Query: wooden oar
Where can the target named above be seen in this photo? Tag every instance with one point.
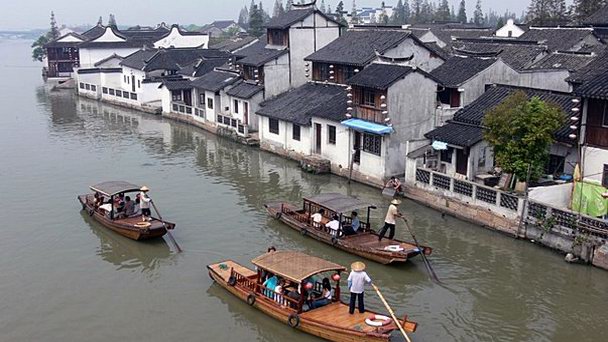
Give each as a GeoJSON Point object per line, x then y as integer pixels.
{"type": "Point", "coordinates": [426, 262]}
{"type": "Point", "coordinates": [168, 232]}
{"type": "Point", "coordinates": [391, 312]}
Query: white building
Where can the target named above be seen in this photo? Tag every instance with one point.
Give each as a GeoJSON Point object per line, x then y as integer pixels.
{"type": "Point", "coordinates": [510, 29]}
{"type": "Point", "coordinates": [179, 38]}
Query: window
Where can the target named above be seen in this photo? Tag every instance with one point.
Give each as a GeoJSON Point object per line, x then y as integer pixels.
{"type": "Point", "coordinates": [104, 90]}
{"type": "Point", "coordinates": [176, 95]}
{"type": "Point", "coordinates": [273, 126]}
{"type": "Point", "coordinates": [87, 86]}
{"type": "Point", "coordinates": [369, 97]}
{"type": "Point", "coordinates": [118, 93]}
{"type": "Point", "coordinates": [295, 132]}
{"type": "Point", "coordinates": [372, 143]}
{"type": "Point", "coordinates": [236, 106]}
{"type": "Point", "coordinates": [510, 33]}
{"type": "Point", "coordinates": [133, 96]}
{"type": "Point", "coordinates": [81, 85]}
{"type": "Point", "coordinates": [331, 134]}
{"type": "Point", "coordinates": [322, 72]}
{"type": "Point", "coordinates": [93, 88]}
{"type": "Point", "coordinates": [201, 100]}
{"type": "Point", "coordinates": [210, 103]}
{"type": "Point", "coordinates": [481, 160]}
{"type": "Point", "coordinates": [124, 78]}
{"type": "Point", "coordinates": [125, 94]}
{"type": "Point", "coordinates": [138, 84]}
{"type": "Point", "coordinates": [605, 176]}
{"type": "Point", "coordinates": [446, 155]}
{"type": "Point", "coordinates": [111, 91]}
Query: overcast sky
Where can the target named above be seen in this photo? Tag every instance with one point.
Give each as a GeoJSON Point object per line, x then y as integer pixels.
{"type": "Point", "coordinates": [26, 14]}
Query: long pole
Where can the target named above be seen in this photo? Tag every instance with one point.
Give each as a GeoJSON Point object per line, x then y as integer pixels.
{"type": "Point", "coordinates": [179, 250]}
{"type": "Point", "coordinates": [526, 194]}
{"type": "Point", "coordinates": [426, 262]}
{"type": "Point", "coordinates": [392, 313]}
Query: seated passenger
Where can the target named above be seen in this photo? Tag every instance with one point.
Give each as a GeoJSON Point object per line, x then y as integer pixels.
{"type": "Point", "coordinates": [270, 284]}
{"type": "Point", "coordinates": [324, 298]}
{"type": "Point", "coordinates": [279, 290]}
{"type": "Point", "coordinates": [317, 218]}
{"type": "Point", "coordinates": [353, 227]}
{"type": "Point", "coordinates": [129, 207]}
{"type": "Point", "coordinates": [334, 225]}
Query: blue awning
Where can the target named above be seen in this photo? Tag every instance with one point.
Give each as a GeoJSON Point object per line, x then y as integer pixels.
{"type": "Point", "coordinates": [366, 126]}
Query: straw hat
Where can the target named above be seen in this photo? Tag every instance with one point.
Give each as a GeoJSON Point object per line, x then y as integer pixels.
{"type": "Point", "coordinates": [357, 266]}
{"type": "Point", "coordinates": [396, 201]}
{"type": "Point", "coordinates": [144, 188]}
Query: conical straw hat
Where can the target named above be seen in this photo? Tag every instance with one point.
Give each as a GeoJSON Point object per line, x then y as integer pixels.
{"type": "Point", "coordinates": [357, 266]}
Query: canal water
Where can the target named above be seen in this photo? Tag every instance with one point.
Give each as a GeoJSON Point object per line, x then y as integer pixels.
{"type": "Point", "coordinates": [63, 277]}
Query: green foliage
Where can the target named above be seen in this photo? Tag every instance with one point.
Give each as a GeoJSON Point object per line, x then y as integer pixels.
{"type": "Point", "coordinates": [547, 12]}
{"type": "Point", "coordinates": [54, 31]}
{"type": "Point", "coordinates": [256, 22]}
{"type": "Point", "coordinates": [581, 9]}
{"type": "Point", "coordinates": [520, 130]}
{"type": "Point", "coordinates": [38, 50]}
{"type": "Point", "coordinates": [462, 12]}
{"type": "Point", "coordinates": [112, 20]}
{"type": "Point", "coordinates": [478, 18]}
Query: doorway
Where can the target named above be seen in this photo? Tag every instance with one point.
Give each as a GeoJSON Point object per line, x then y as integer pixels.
{"type": "Point", "coordinates": [133, 83]}
{"type": "Point", "coordinates": [357, 148]}
{"type": "Point", "coordinates": [318, 138]}
{"type": "Point", "coordinates": [462, 161]}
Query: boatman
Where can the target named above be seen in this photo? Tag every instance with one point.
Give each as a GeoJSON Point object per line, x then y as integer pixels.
{"type": "Point", "coordinates": [356, 285]}
{"type": "Point", "coordinates": [144, 203]}
{"type": "Point", "coordinates": [389, 221]}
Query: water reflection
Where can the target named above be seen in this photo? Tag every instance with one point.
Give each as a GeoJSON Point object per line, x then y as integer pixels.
{"type": "Point", "coordinates": [126, 254]}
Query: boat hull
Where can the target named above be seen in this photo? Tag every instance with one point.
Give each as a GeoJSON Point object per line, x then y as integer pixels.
{"type": "Point", "coordinates": [124, 228]}
{"type": "Point", "coordinates": [384, 257]}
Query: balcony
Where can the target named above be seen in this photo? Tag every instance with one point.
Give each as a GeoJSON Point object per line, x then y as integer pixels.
{"type": "Point", "coordinates": [368, 113]}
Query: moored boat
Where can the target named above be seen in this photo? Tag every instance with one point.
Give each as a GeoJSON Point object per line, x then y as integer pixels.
{"type": "Point", "coordinates": [365, 243]}
{"type": "Point", "coordinates": [331, 321]}
{"type": "Point", "coordinates": [134, 226]}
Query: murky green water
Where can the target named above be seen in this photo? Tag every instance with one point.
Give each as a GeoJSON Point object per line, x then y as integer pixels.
{"type": "Point", "coordinates": [65, 278]}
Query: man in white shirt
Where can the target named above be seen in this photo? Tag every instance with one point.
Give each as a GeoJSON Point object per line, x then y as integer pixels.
{"type": "Point", "coordinates": [317, 218]}
{"type": "Point", "coordinates": [144, 203]}
{"type": "Point", "coordinates": [356, 284]}
{"type": "Point", "coordinates": [389, 220]}
{"type": "Point", "coordinates": [334, 225]}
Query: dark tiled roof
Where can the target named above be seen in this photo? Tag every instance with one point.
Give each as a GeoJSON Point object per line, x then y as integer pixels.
{"type": "Point", "coordinates": [235, 43]}
{"type": "Point", "coordinates": [177, 84]}
{"type": "Point", "coordinates": [299, 105]}
{"type": "Point", "coordinates": [379, 76]}
{"type": "Point", "coordinates": [599, 18]}
{"type": "Point", "coordinates": [518, 55]}
{"type": "Point", "coordinates": [562, 38]}
{"type": "Point", "coordinates": [458, 69]}
{"type": "Point", "coordinates": [94, 32]}
{"type": "Point", "coordinates": [137, 60]}
{"type": "Point", "coordinates": [472, 115]}
{"type": "Point", "coordinates": [215, 80]}
{"type": "Point", "coordinates": [457, 133]}
{"type": "Point", "coordinates": [291, 17]}
{"type": "Point", "coordinates": [222, 24]}
{"type": "Point", "coordinates": [572, 61]}
{"type": "Point", "coordinates": [596, 87]}
{"type": "Point", "coordinates": [356, 47]}
{"type": "Point", "coordinates": [256, 56]}
{"type": "Point", "coordinates": [448, 35]}
{"type": "Point", "coordinates": [244, 90]}
{"type": "Point", "coordinates": [202, 66]}
{"type": "Point", "coordinates": [109, 58]}
{"type": "Point", "coordinates": [597, 66]}
{"type": "Point", "coordinates": [436, 49]}
{"type": "Point", "coordinates": [172, 58]}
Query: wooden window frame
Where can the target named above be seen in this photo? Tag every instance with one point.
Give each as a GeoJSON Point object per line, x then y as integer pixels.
{"type": "Point", "coordinates": [365, 100]}
{"type": "Point", "coordinates": [331, 130]}
{"type": "Point", "coordinates": [271, 123]}
{"type": "Point", "coordinates": [371, 143]}
{"type": "Point", "coordinates": [296, 131]}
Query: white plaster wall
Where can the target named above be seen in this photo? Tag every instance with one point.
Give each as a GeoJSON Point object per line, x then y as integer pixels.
{"type": "Point", "coordinates": [90, 56]}
{"type": "Point", "coordinates": [90, 79]}
{"type": "Point", "coordinates": [510, 26]}
{"type": "Point", "coordinates": [177, 40]}
{"type": "Point", "coordinates": [555, 195]}
{"type": "Point", "coordinates": [276, 76]}
{"type": "Point", "coordinates": [109, 36]}
{"type": "Point", "coordinates": [475, 152]}
{"type": "Point", "coordinates": [68, 39]}
{"type": "Point", "coordinates": [372, 165]}
{"type": "Point", "coordinates": [337, 153]}
{"type": "Point", "coordinates": [498, 72]}
{"type": "Point", "coordinates": [150, 92]}
{"type": "Point", "coordinates": [545, 79]}
{"type": "Point", "coordinates": [165, 96]}
{"type": "Point", "coordinates": [594, 160]}
{"type": "Point", "coordinates": [139, 76]}
{"type": "Point", "coordinates": [111, 80]}
{"type": "Point", "coordinates": [422, 56]}
{"type": "Point", "coordinates": [304, 145]}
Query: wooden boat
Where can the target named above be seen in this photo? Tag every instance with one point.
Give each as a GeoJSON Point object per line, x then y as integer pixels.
{"type": "Point", "coordinates": [331, 322]}
{"type": "Point", "coordinates": [364, 244]}
{"type": "Point", "coordinates": [132, 227]}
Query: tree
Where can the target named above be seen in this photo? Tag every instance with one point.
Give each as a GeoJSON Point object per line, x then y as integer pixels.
{"type": "Point", "coordinates": [581, 9]}
{"type": "Point", "coordinates": [340, 13]}
{"type": "Point", "coordinates": [416, 11]}
{"type": "Point", "coordinates": [244, 17]}
{"type": "Point", "coordinates": [100, 21]}
{"type": "Point", "coordinates": [383, 18]}
{"type": "Point", "coordinates": [443, 11]}
{"type": "Point", "coordinates": [354, 18]}
{"type": "Point", "coordinates": [38, 50]}
{"type": "Point", "coordinates": [426, 12]}
{"type": "Point", "coordinates": [322, 7]}
{"type": "Point", "coordinates": [398, 17]}
{"type": "Point", "coordinates": [547, 12]}
{"type": "Point", "coordinates": [288, 5]}
{"type": "Point", "coordinates": [256, 22]}
{"type": "Point", "coordinates": [328, 10]}
{"type": "Point", "coordinates": [462, 12]}
{"type": "Point", "coordinates": [54, 31]}
{"type": "Point", "coordinates": [520, 131]}
{"type": "Point", "coordinates": [500, 23]}
{"type": "Point", "coordinates": [478, 14]}
{"type": "Point", "coordinates": [278, 8]}
{"type": "Point", "coordinates": [112, 20]}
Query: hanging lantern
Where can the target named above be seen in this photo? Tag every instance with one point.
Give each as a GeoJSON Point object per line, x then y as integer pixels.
{"type": "Point", "coordinates": [335, 277]}
{"type": "Point", "coordinates": [574, 118]}
{"type": "Point", "coordinates": [385, 112]}
{"type": "Point", "coordinates": [349, 88]}
{"type": "Point", "coordinates": [307, 75]}
{"type": "Point", "coordinates": [349, 102]}
{"type": "Point", "coordinates": [349, 95]}
{"type": "Point", "coordinates": [383, 105]}
{"type": "Point", "coordinates": [573, 127]}
{"type": "Point", "coordinates": [331, 72]}
{"type": "Point", "coordinates": [387, 120]}
{"type": "Point", "coordinates": [350, 109]}
{"type": "Point", "coordinates": [331, 66]}
{"type": "Point", "coordinates": [306, 70]}
{"type": "Point", "coordinates": [382, 97]}
{"type": "Point", "coordinates": [356, 71]}
{"type": "Point", "coordinates": [572, 136]}
{"type": "Point", "coordinates": [576, 100]}
{"type": "Point", "coordinates": [576, 110]}
{"type": "Point", "coordinates": [348, 116]}
{"type": "Point", "coordinates": [306, 64]}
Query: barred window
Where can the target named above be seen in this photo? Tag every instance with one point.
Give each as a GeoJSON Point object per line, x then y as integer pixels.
{"type": "Point", "coordinates": [372, 143]}
{"type": "Point", "coordinates": [104, 90]}
{"type": "Point", "coordinates": [273, 125]}
{"type": "Point", "coordinates": [295, 132]}
{"type": "Point", "coordinates": [118, 93]}
{"type": "Point", "coordinates": [81, 85]}
{"type": "Point", "coordinates": [133, 96]}
{"type": "Point", "coordinates": [331, 134]}
{"type": "Point", "coordinates": [93, 87]}
{"type": "Point", "coordinates": [111, 91]}
{"type": "Point", "coordinates": [210, 103]}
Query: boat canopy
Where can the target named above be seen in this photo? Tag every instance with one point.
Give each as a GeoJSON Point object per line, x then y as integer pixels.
{"type": "Point", "coordinates": [112, 188]}
{"type": "Point", "coordinates": [337, 202]}
{"type": "Point", "coordinates": [294, 266]}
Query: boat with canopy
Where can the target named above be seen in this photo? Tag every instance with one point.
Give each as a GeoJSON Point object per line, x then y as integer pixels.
{"type": "Point", "coordinates": [365, 243]}
{"type": "Point", "coordinates": [301, 274]}
{"type": "Point", "coordinates": [135, 226]}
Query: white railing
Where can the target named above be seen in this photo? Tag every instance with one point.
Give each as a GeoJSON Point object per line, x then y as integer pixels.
{"type": "Point", "coordinates": [233, 124]}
